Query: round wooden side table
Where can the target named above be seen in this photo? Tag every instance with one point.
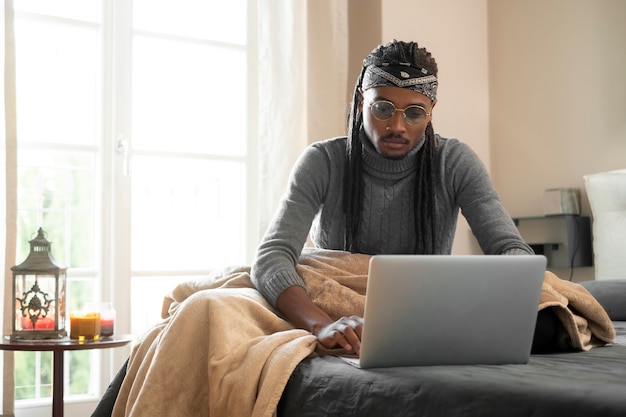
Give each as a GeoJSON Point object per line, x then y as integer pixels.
{"type": "Point", "coordinates": [58, 347]}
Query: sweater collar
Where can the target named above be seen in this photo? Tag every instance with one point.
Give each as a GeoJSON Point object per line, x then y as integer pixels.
{"type": "Point", "coordinates": [372, 160]}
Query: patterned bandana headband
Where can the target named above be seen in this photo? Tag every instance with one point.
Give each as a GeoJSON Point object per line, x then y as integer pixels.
{"type": "Point", "coordinates": [401, 75]}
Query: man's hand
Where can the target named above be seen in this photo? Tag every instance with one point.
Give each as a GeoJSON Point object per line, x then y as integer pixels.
{"type": "Point", "coordinates": [345, 332]}
{"type": "Point", "coordinates": [298, 308]}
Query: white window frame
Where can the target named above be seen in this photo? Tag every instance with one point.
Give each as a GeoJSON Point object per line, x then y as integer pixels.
{"type": "Point", "coordinates": [114, 206]}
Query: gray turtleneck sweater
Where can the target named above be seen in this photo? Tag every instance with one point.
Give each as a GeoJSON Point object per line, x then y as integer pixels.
{"type": "Point", "coordinates": [313, 204]}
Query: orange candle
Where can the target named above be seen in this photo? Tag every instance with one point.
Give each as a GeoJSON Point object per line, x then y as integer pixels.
{"type": "Point", "coordinates": [85, 326]}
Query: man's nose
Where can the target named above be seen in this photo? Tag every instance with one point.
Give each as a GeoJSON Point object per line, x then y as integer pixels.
{"type": "Point", "coordinates": [397, 123]}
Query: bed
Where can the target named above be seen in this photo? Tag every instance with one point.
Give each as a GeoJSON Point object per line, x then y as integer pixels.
{"type": "Point", "coordinates": [591, 383]}
{"type": "Point", "coordinates": [221, 350]}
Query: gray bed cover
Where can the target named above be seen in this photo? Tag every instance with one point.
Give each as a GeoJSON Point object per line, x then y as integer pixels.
{"type": "Point", "coordinates": [572, 384]}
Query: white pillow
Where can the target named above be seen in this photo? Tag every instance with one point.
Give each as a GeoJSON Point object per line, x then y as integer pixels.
{"type": "Point", "coordinates": [607, 197]}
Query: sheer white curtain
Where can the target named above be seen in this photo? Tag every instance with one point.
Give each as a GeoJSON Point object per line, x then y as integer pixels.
{"type": "Point", "coordinates": [8, 160]}
{"type": "Point", "coordinates": [302, 86]}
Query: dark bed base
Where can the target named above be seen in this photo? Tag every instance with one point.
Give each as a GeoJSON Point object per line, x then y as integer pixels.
{"type": "Point", "coordinates": [559, 384]}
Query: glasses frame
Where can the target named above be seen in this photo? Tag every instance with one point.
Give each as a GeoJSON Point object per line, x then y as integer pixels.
{"type": "Point", "coordinates": [404, 116]}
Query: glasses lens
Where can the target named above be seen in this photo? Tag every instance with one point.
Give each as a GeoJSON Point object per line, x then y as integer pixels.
{"type": "Point", "coordinates": [383, 110]}
{"type": "Point", "coordinates": [414, 114]}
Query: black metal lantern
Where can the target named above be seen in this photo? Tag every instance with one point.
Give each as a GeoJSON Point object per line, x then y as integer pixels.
{"type": "Point", "coordinates": [39, 294]}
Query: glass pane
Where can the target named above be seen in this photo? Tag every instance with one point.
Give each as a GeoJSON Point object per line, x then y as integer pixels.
{"type": "Point", "coordinates": [56, 191]}
{"type": "Point", "coordinates": [33, 375]}
{"type": "Point", "coordinates": [57, 69]}
{"type": "Point", "coordinates": [27, 226]}
{"type": "Point", "coordinates": [88, 10]}
{"type": "Point", "coordinates": [79, 291]}
{"type": "Point", "coordinates": [187, 214]}
{"type": "Point", "coordinates": [189, 97]}
{"type": "Point", "coordinates": [205, 19]}
{"type": "Point", "coordinates": [80, 372]}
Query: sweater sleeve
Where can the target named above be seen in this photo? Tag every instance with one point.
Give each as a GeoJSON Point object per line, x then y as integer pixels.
{"type": "Point", "coordinates": [273, 270]}
{"type": "Point", "coordinates": [480, 203]}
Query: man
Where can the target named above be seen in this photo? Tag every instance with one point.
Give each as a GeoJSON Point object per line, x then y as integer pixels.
{"type": "Point", "coordinates": [391, 186]}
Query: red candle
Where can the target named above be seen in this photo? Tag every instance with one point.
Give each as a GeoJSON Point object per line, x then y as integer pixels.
{"type": "Point", "coordinates": [107, 317]}
{"type": "Point", "coordinates": [107, 326]}
{"type": "Point", "coordinates": [43, 323]}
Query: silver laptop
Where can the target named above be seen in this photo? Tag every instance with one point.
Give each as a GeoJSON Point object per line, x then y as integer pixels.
{"type": "Point", "coordinates": [450, 309]}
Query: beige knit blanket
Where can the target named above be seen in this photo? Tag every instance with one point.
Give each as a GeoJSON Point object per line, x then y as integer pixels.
{"type": "Point", "coordinates": [221, 350]}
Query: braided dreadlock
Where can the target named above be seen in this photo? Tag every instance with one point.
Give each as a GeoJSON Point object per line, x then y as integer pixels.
{"type": "Point", "coordinates": [394, 52]}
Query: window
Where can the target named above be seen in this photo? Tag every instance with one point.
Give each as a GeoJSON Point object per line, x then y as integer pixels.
{"type": "Point", "coordinates": [133, 155]}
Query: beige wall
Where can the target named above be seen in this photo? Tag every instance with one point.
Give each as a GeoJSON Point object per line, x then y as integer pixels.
{"type": "Point", "coordinates": [557, 97]}
{"type": "Point", "coordinates": [455, 32]}
{"type": "Point", "coordinates": [365, 32]}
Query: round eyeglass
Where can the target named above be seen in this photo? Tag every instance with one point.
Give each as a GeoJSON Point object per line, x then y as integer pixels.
{"type": "Point", "coordinates": [384, 110]}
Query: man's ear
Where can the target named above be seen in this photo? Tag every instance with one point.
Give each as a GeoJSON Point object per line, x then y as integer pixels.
{"type": "Point", "coordinates": [431, 110]}
{"type": "Point", "coordinates": [361, 99]}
